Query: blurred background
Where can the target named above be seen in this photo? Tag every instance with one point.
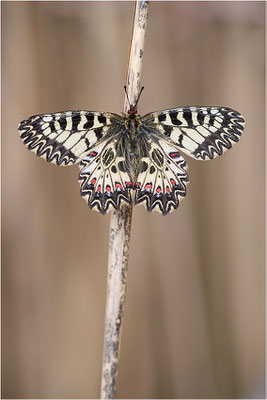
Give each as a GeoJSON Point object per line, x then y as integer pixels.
{"type": "Point", "coordinates": [194, 315]}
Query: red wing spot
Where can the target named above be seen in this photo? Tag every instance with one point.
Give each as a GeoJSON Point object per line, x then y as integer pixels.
{"type": "Point", "coordinates": [148, 186]}
{"type": "Point", "coordinates": [93, 181]}
{"type": "Point", "coordinates": [158, 190]}
{"type": "Point", "coordinates": [168, 189]}
{"type": "Point", "coordinates": [108, 188]}
{"type": "Point", "coordinates": [92, 154]}
{"type": "Point", "coordinates": [98, 188]}
{"type": "Point", "coordinates": [138, 184]}
{"type": "Point", "coordinates": [173, 182]}
{"type": "Point", "coordinates": [128, 184]}
{"type": "Point", "coordinates": [172, 155]}
{"type": "Point", "coordinates": [118, 185]}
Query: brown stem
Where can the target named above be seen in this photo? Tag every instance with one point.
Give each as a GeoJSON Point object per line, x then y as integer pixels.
{"type": "Point", "coordinates": [120, 224]}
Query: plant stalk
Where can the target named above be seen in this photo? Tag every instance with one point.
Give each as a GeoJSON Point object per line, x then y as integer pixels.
{"type": "Point", "coordinates": [120, 224]}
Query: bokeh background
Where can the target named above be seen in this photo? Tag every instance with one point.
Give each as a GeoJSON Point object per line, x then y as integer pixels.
{"type": "Point", "coordinates": [194, 315]}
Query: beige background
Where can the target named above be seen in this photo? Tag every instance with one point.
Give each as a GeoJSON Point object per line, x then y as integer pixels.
{"type": "Point", "coordinates": [194, 318]}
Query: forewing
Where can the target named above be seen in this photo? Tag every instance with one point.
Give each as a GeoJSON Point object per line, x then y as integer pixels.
{"type": "Point", "coordinates": [103, 178]}
{"type": "Point", "coordinates": [200, 132]}
{"type": "Point", "coordinates": [162, 178]}
{"type": "Point", "coordinates": [64, 138]}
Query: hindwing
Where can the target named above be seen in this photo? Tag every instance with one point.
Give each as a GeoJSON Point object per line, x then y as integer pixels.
{"type": "Point", "coordinates": [200, 132]}
{"type": "Point", "coordinates": [162, 177]}
{"type": "Point", "coordinates": [104, 179]}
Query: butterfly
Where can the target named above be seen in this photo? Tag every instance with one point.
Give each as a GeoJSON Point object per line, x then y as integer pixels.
{"type": "Point", "coordinates": [132, 158]}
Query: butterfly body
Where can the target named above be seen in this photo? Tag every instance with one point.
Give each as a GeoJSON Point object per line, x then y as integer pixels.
{"type": "Point", "coordinates": [132, 157]}
{"type": "Point", "coordinates": [132, 144]}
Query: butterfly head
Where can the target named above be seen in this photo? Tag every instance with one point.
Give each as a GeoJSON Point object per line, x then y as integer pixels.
{"type": "Point", "coordinates": [132, 110]}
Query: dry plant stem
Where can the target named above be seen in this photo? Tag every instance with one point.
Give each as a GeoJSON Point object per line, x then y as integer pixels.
{"type": "Point", "coordinates": [120, 225]}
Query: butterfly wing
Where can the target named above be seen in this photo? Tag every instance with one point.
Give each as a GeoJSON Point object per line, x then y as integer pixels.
{"type": "Point", "coordinates": [64, 138]}
{"type": "Point", "coordinates": [162, 177]}
{"type": "Point", "coordinates": [104, 178]}
{"type": "Point", "coordinates": [200, 132]}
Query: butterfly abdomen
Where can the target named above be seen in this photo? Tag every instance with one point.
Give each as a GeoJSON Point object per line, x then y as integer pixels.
{"type": "Point", "coordinates": [129, 145]}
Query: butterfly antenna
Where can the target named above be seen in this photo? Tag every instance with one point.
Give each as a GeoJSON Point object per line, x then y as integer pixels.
{"type": "Point", "coordinates": [142, 88]}
{"type": "Point", "coordinates": [127, 95]}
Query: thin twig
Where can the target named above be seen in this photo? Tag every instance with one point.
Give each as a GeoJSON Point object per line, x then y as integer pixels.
{"type": "Point", "coordinates": [121, 221]}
